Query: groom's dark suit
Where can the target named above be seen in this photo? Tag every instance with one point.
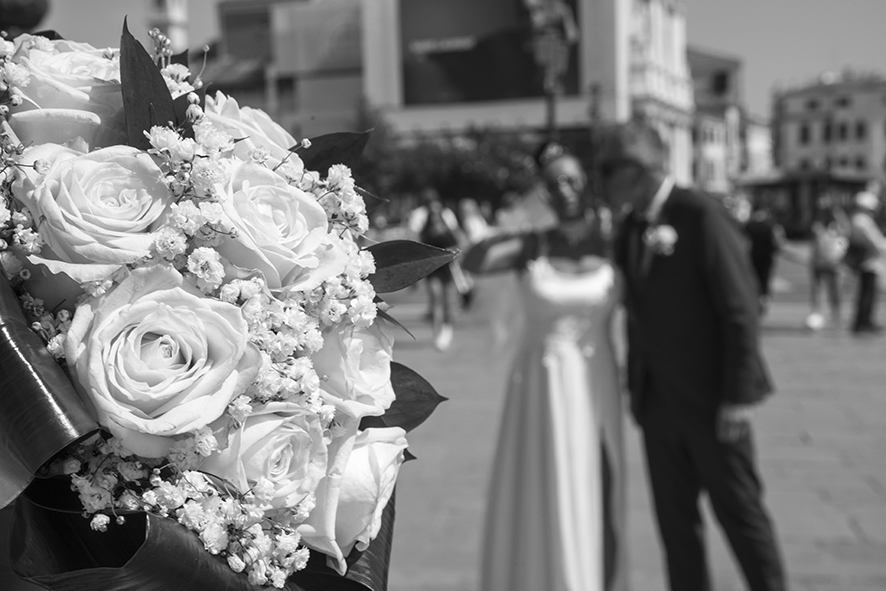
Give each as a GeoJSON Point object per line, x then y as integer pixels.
{"type": "Point", "coordinates": [692, 347]}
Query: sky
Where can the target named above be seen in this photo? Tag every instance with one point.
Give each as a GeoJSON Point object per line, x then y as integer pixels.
{"type": "Point", "coordinates": [781, 42]}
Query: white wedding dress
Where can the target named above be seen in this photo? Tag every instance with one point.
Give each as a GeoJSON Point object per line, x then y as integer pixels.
{"type": "Point", "coordinates": [555, 510]}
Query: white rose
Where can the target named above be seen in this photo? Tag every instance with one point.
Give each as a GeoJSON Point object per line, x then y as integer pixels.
{"type": "Point", "coordinates": [71, 88]}
{"type": "Point", "coordinates": [281, 442]}
{"type": "Point", "coordinates": [97, 211]}
{"type": "Point", "coordinates": [355, 369]}
{"type": "Point", "coordinates": [156, 361]}
{"type": "Point", "coordinates": [281, 230]}
{"type": "Point", "coordinates": [367, 486]}
{"type": "Point", "coordinates": [252, 127]}
{"type": "Point", "coordinates": [350, 500]}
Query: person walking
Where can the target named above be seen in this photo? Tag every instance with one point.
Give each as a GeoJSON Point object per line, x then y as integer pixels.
{"type": "Point", "coordinates": [695, 370]}
{"type": "Point", "coordinates": [476, 229]}
{"type": "Point", "coordinates": [828, 246]}
{"type": "Point", "coordinates": [866, 246]}
{"type": "Point", "coordinates": [437, 225]}
{"type": "Point", "coordinates": [767, 239]}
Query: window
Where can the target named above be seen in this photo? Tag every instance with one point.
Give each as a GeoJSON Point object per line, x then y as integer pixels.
{"type": "Point", "coordinates": [844, 101]}
{"type": "Point", "coordinates": [804, 134]}
{"type": "Point", "coordinates": [812, 104]}
{"type": "Point", "coordinates": [828, 163]}
{"type": "Point", "coordinates": [844, 162]}
{"type": "Point", "coordinates": [861, 130]}
{"type": "Point", "coordinates": [828, 132]}
{"type": "Point", "coordinates": [804, 164]}
{"type": "Point", "coordinates": [844, 131]}
{"type": "Point", "coordinates": [720, 83]}
{"type": "Point", "coordinates": [861, 163]}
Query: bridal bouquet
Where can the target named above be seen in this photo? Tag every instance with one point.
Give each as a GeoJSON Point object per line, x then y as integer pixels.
{"type": "Point", "coordinates": [193, 274]}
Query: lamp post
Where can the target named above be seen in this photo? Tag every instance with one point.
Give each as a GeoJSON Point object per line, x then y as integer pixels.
{"type": "Point", "coordinates": [554, 30]}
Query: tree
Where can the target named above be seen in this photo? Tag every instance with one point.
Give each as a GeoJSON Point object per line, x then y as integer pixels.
{"type": "Point", "coordinates": [19, 16]}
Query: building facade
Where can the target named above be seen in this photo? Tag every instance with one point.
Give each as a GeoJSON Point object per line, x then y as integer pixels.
{"type": "Point", "coordinates": [836, 124]}
{"type": "Point", "coordinates": [728, 143]}
{"type": "Point", "coordinates": [427, 66]}
{"type": "Point", "coordinates": [660, 81]}
{"type": "Point", "coordinates": [443, 66]}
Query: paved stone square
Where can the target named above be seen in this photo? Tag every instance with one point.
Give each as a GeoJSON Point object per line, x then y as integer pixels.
{"type": "Point", "coordinates": [821, 443]}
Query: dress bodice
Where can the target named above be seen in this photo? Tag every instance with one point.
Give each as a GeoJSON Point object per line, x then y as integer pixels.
{"type": "Point", "coordinates": [568, 305]}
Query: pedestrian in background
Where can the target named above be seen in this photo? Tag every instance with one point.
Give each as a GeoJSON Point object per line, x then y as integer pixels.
{"type": "Point", "coordinates": [767, 239]}
{"type": "Point", "coordinates": [476, 229]}
{"type": "Point", "coordinates": [830, 232]}
{"type": "Point", "coordinates": [866, 245]}
{"type": "Point", "coordinates": [437, 225]}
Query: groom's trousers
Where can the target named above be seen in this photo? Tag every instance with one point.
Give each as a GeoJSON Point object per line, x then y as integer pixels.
{"type": "Point", "coordinates": [684, 458]}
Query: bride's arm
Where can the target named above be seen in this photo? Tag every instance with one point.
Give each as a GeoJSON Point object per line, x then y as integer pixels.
{"type": "Point", "coordinates": [501, 252]}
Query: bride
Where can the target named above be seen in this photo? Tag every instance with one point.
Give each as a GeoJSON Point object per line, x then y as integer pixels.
{"type": "Point", "coordinates": [555, 513]}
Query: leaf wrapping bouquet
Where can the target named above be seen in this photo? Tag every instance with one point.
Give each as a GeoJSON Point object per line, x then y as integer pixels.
{"type": "Point", "coordinates": [193, 337]}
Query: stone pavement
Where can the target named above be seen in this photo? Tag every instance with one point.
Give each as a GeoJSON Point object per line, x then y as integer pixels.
{"type": "Point", "coordinates": [821, 443]}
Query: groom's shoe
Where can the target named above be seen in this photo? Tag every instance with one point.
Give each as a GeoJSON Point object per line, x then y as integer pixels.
{"type": "Point", "coordinates": [868, 329]}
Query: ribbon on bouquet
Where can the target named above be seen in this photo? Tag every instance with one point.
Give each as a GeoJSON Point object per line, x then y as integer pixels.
{"type": "Point", "coordinates": [40, 411]}
{"type": "Point", "coordinates": [54, 547]}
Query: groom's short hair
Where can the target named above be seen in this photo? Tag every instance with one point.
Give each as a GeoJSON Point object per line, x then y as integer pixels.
{"type": "Point", "coordinates": [635, 140]}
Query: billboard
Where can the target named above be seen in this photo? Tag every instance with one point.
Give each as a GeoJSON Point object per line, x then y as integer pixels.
{"type": "Point", "coordinates": [463, 51]}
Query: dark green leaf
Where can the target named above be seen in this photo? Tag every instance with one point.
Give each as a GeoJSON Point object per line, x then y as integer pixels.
{"type": "Point", "coordinates": [394, 321]}
{"type": "Point", "coordinates": [334, 148]}
{"type": "Point", "coordinates": [111, 132]}
{"type": "Point", "coordinates": [146, 98]}
{"type": "Point", "coordinates": [370, 199]}
{"type": "Point", "coordinates": [415, 402]}
{"type": "Point", "coordinates": [50, 34]}
{"type": "Point", "coordinates": [180, 58]}
{"type": "Point", "coordinates": [400, 263]}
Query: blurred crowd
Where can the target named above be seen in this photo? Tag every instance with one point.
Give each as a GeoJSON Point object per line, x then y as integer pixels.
{"type": "Point", "coordinates": [845, 249]}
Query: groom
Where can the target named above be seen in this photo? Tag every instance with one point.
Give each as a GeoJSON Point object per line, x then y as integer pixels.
{"type": "Point", "coordinates": [694, 367]}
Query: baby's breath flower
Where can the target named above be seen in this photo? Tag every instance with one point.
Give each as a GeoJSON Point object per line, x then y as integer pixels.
{"type": "Point", "coordinates": [100, 522]}
{"type": "Point", "coordinates": [170, 242]}
{"type": "Point", "coordinates": [205, 263]}
{"type": "Point", "coordinates": [163, 139]}
{"type": "Point", "coordinates": [56, 346]}
{"type": "Point", "coordinates": [214, 537]}
{"type": "Point", "coordinates": [27, 239]}
{"type": "Point", "coordinates": [71, 466]}
{"type": "Point", "coordinates": [240, 408]}
{"type": "Point", "coordinates": [187, 216]}
{"type": "Point", "coordinates": [236, 563]}
{"type": "Point", "coordinates": [205, 441]}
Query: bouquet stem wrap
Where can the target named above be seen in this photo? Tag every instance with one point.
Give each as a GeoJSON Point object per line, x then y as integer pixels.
{"type": "Point", "coordinates": [40, 411]}
{"type": "Point", "coordinates": [57, 549]}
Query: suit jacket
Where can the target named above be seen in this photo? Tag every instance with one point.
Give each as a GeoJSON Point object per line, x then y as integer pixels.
{"type": "Point", "coordinates": [692, 313]}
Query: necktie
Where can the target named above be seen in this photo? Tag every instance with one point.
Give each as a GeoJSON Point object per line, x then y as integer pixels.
{"type": "Point", "coordinates": [637, 245]}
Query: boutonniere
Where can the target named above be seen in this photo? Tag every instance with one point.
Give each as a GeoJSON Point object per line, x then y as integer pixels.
{"type": "Point", "coordinates": [660, 239]}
